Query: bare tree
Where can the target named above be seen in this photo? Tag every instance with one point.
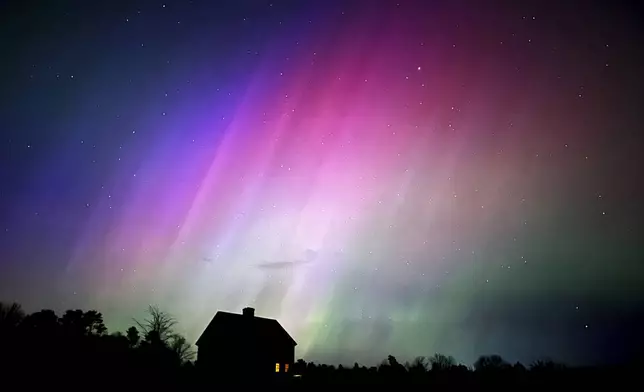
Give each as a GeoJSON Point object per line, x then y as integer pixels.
{"type": "Point", "coordinates": [181, 348]}
{"type": "Point", "coordinates": [419, 365]}
{"type": "Point", "coordinates": [441, 362]}
{"type": "Point", "coordinates": [158, 326]}
{"type": "Point", "coordinates": [546, 364]}
{"type": "Point", "coordinates": [10, 315]}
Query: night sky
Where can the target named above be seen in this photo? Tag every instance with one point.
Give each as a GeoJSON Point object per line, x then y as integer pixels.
{"type": "Point", "coordinates": [383, 177]}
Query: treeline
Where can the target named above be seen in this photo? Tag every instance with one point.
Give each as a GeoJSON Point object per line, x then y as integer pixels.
{"type": "Point", "coordinates": [440, 370]}
{"type": "Point", "coordinates": [43, 346]}
{"type": "Point", "coordinates": [44, 349]}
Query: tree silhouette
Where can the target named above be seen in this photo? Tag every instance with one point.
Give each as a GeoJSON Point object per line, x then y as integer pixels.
{"type": "Point", "coordinates": [441, 362]}
{"type": "Point", "coordinates": [182, 349]}
{"type": "Point", "coordinates": [93, 322]}
{"type": "Point", "coordinates": [161, 344]}
{"type": "Point", "coordinates": [393, 366]}
{"type": "Point", "coordinates": [79, 323]}
{"type": "Point", "coordinates": [72, 323]}
{"type": "Point", "coordinates": [417, 366]}
{"type": "Point", "coordinates": [43, 323]}
{"type": "Point", "coordinates": [133, 337]}
{"type": "Point", "coordinates": [546, 365]}
{"type": "Point", "coordinates": [299, 367]}
{"type": "Point", "coordinates": [158, 326]}
{"type": "Point", "coordinates": [11, 315]}
{"type": "Point", "coordinates": [519, 367]}
{"type": "Point", "coordinates": [490, 362]}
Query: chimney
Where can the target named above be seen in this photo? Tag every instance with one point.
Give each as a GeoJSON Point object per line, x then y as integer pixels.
{"type": "Point", "coordinates": [248, 312]}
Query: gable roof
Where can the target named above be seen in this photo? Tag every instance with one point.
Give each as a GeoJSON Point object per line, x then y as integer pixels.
{"type": "Point", "coordinates": [235, 325]}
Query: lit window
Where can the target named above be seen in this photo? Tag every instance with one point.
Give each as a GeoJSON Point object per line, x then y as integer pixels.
{"type": "Point", "coordinates": [277, 368]}
{"type": "Point", "coordinates": [286, 368]}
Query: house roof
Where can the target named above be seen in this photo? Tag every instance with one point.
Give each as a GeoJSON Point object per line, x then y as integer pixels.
{"type": "Point", "coordinates": [234, 325]}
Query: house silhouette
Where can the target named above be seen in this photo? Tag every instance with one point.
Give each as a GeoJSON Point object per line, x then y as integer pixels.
{"type": "Point", "coordinates": [243, 345]}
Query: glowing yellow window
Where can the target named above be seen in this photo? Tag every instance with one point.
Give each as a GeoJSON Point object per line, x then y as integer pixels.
{"type": "Point", "coordinates": [286, 368]}
{"type": "Point", "coordinates": [277, 368]}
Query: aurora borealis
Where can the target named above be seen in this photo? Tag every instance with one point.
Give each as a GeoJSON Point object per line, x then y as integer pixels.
{"type": "Point", "coordinates": [385, 177]}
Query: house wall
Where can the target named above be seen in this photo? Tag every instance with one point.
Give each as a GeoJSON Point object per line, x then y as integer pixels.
{"type": "Point", "coordinates": [237, 359]}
